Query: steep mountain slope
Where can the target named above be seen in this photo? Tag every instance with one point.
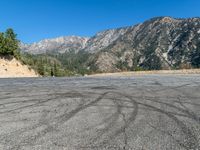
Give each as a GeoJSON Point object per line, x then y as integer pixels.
{"type": "Point", "coordinates": [60, 45]}
{"type": "Point", "coordinates": [103, 39]}
{"type": "Point", "coordinates": [159, 43]}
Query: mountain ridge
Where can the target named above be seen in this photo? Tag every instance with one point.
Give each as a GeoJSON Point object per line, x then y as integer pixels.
{"type": "Point", "coordinates": [61, 44]}
{"type": "Point", "coordinates": [158, 43]}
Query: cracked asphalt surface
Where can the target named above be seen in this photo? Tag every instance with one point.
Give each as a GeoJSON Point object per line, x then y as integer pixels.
{"type": "Point", "coordinates": [126, 113]}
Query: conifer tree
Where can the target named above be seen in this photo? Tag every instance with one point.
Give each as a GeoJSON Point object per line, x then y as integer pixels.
{"type": "Point", "coordinates": [9, 45]}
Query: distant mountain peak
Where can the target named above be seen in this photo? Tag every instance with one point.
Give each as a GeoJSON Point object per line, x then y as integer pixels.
{"type": "Point", "coordinates": [158, 43]}
{"type": "Point", "coordinates": [59, 44]}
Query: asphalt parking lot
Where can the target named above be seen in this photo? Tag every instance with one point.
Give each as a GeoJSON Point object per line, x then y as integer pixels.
{"type": "Point", "coordinates": [141, 113]}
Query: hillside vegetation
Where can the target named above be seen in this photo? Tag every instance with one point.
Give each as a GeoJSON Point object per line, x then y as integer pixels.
{"type": "Point", "coordinates": [55, 64]}
{"type": "Point", "coordinates": [10, 58]}
{"type": "Point", "coordinates": [161, 43]}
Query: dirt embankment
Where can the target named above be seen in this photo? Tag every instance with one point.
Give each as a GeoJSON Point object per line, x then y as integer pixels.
{"type": "Point", "coordinates": [160, 72]}
{"type": "Point", "coordinates": [11, 68]}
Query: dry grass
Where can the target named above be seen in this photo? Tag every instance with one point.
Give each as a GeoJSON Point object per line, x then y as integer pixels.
{"type": "Point", "coordinates": [159, 72]}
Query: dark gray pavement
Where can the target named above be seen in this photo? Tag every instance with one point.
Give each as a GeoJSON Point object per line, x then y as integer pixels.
{"type": "Point", "coordinates": [138, 113]}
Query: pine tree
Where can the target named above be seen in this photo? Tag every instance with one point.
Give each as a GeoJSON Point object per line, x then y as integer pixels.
{"type": "Point", "coordinates": [9, 45]}
{"type": "Point", "coordinates": [2, 43]}
{"type": "Point", "coordinates": [52, 72]}
{"type": "Point", "coordinates": [56, 71]}
{"type": "Point", "coordinates": [195, 57]}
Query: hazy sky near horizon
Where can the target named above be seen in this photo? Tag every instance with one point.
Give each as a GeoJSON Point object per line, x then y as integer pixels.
{"type": "Point", "coordinates": [34, 20]}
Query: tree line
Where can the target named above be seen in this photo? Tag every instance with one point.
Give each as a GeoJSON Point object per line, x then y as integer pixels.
{"type": "Point", "coordinates": [46, 65]}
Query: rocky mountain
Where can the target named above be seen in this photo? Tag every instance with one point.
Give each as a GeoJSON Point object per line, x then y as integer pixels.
{"type": "Point", "coordinates": [158, 43]}
{"type": "Point", "coordinates": [64, 44]}
{"type": "Point", "coordinates": [103, 39]}
{"type": "Point", "coordinates": [58, 45]}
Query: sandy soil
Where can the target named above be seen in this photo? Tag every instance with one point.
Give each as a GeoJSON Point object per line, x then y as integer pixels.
{"type": "Point", "coordinates": [14, 68]}
{"type": "Point", "coordinates": [160, 72]}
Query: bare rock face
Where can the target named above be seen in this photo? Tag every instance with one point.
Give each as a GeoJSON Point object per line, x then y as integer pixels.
{"type": "Point", "coordinates": [106, 62]}
{"type": "Point", "coordinates": [103, 39]}
{"type": "Point", "coordinates": [158, 43]}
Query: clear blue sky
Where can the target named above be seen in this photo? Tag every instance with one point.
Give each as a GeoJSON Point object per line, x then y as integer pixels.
{"type": "Point", "coordinates": [34, 20]}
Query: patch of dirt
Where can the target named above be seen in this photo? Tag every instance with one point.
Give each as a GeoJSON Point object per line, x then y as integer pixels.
{"type": "Point", "coordinates": [10, 68]}
{"type": "Point", "coordinates": [159, 72]}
